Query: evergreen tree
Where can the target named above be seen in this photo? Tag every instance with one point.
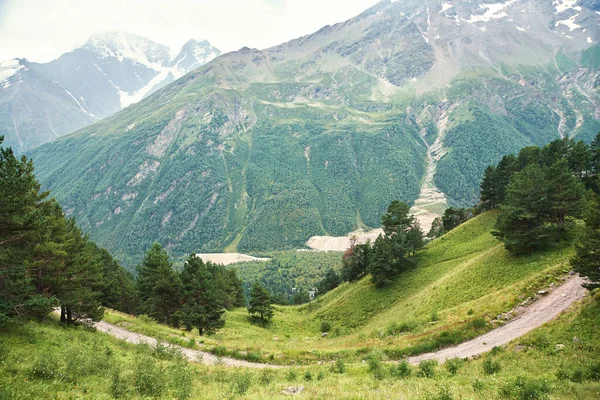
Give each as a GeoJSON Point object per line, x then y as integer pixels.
{"type": "Point", "coordinates": [355, 262]}
{"type": "Point", "coordinates": [595, 156]}
{"type": "Point", "coordinates": [488, 193]}
{"type": "Point", "coordinates": [384, 260]}
{"type": "Point", "coordinates": [529, 155]}
{"type": "Point", "coordinates": [578, 159]}
{"type": "Point", "coordinates": [587, 251]}
{"type": "Point", "coordinates": [521, 220]}
{"type": "Point", "coordinates": [437, 228]}
{"type": "Point", "coordinates": [453, 217]}
{"type": "Point", "coordinates": [158, 285]}
{"type": "Point", "coordinates": [565, 193]}
{"type": "Point", "coordinates": [202, 299]}
{"type": "Point", "coordinates": [260, 302]}
{"type": "Point", "coordinates": [329, 282]}
{"type": "Point", "coordinates": [506, 168]}
{"type": "Point", "coordinates": [301, 296]}
{"type": "Point", "coordinates": [396, 218]}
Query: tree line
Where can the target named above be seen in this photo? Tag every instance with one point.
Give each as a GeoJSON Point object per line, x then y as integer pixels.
{"type": "Point", "coordinates": [387, 256]}
{"type": "Point", "coordinates": [46, 262]}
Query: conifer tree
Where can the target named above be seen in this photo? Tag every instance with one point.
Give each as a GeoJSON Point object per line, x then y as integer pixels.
{"type": "Point", "coordinates": [587, 251]}
{"type": "Point", "coordinates": [202, 298]}
{"type": "Point", "coordinates": [260, 302]}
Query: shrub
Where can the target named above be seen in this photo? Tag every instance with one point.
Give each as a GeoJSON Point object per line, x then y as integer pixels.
{"type": "Point", "coordinates": [470, 312]}
{"type": "Point", "coordinates": [219, 351]}
{"type": "Point", "coordinates": [165, 352]}
{"type": "Point", "coordinates": [443, 394]}
{"type": "Point", "coordinates": [339, 367]}
{"type": "Point", "coordinates": [435, 317]}
{"type": "Point", "coordinates": [376, 365]}
{"type": "Point", "coordinates": [320, 376]}
{"type": "Point", "coordinates": [522, 388]}
{"type": "Point", "coordinates": [397, 328]}
{"type": "Point", "coordinates": [478, 385]}
{"type": "Point", "coordinates": [308, 376]}
{"type": "Point", "coordinates": [266, 377]}
{"type": "Point", "coordinates": [148, 377]}
{"type": "Point", "coordinates": [496, 350]}
{"type": "Point", "coordinates": [490, 366]}
{"type": "Point", "coordinates": [292, 375]}
{"type": "Point", "coordinates": [325, 326]}
{"type": "Point", "coordinates": [401, 370]}
{"type": "Point", "coordinates": [254, 356]}
{"type": "Point", "coordinates": [427, 368]}
{"type": "Point", "coordinates": [453, 365]}
{"type": "Point", "coordinates": [478, 323]}
{"type": "Point", "coordinates": [241, 382]}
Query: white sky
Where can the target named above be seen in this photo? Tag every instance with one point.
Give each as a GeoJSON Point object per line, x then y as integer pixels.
{"type": "Point", "coordinates": [41, 30]}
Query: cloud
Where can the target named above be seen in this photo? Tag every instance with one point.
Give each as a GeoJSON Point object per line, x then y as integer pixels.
{"type": "Point", "coordinates": [42, 30]}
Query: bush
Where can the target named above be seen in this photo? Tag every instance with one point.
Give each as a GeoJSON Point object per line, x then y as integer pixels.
{"type": "Point", "coordinates": [219, 351]}
{"type": "Point", "coordinates": [427, 368]}
{"type": "Point", "coordinates": [375, 364]}
{"type": "Point", "coordinates": [435, 317]}
{"type": "Point", "coordinates": [401, 370]}
{"type": "Point", "coordinates": [325, 326]}
{"type": "Point", "coordinates": [478, 323]}
{"type": "Point", "coordinates": [320, 376]}
{"type": "Point", "coordinates": [165, 352]}
{"type": "Point", "coordinates": [453, 365]}
{"type": "Point", "coordinates": [241, 383]}
{"type": "Point", "coordinates": [522, 388]}
{"type": "Point", "coordinates": [292, 375]}
{"type": "Point", "coordinates": [397, 328]}
{"type": "Point", "coordinates": [478, 385]}
{"type": "Point", "coordinates": [443, 394]}
{"type": "Point", "coordinates": [339, 367]}
{"type": "Point", "coordinates": [266, 377]}
{"type": "Point", "coordinates": [490, 366]}
{"type": "Point", "coordinates": [308, 376]}
{"type": "Point", "coordinates": [254, 356]}
{"type": "Point", "coordinates": [148, 377]}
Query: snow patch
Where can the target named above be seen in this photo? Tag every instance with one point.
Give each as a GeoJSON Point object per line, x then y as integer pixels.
{"type": "Point", "coordinates": [589, 40]}
{"type": "Point", "coordinates": [522, 29]}
{"type": "Point", "coordinates": [9, 68]}
{"type": "Point", "coordinates": [570, 23]}
{"type": "Point", "coordinates": [446, 7]}
{"type": "Point", "coordinates": [426, 40]}
{"type": "Point", "coordinates": [493, 11]}
{"type": "Point", "coordinates": [564, 5]}
{"type": "Point", "coordinates": [76, 101]}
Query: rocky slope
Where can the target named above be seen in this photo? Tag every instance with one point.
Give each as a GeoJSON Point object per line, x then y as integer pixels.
{"type": "Point", "coordinates": [263, 149]}
{"type": "Point", "coordinates": [109, 72]}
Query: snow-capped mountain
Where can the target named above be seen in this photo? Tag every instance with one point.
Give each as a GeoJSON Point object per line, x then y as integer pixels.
{"type": "Point", "coordinates": [110, 71]}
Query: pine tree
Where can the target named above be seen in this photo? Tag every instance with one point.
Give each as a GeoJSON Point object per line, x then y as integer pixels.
{"type": "Point", "coordinates": [260, 302]}
{"type": "Point", "coordinates": [595, 156]}
{"type": "Point", "coordinates": [396, 218]}
{"type": "Point", "coordinates": [384, 261]}
{"type": "Point", "coordinates": [579, 159]}
{"type": "Point", "coordinates": [355, 262]}
{"type": "Point", "coordinates": [202, 299]}
{"type": "Point", "coordinates": [565, 193]}
{"type": "Point", "coordinates": [587, 251]}
{"type": "Point", "coordinates": [488, 189]}
{"type": "Point", "coordinates": [520, 224]}
{"type": "Point", "coordinates": [329, 282]}
{"type": "Point", "coordinates": [158, 285]}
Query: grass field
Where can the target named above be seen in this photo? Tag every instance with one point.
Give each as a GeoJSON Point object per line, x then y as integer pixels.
{"type": "Point", "coordinates": [49, 361]}
{"type": "Point", "coordinates": [461, 283]}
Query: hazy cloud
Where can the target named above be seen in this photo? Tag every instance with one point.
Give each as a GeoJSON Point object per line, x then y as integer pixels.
{"type": "Point", "coordinates": [44, 29]}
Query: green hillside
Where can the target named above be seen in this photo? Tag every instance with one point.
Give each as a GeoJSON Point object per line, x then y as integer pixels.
{"type": "Point", "coordinates": [260, 150]}
{"type": "Point", "coordinates": [463, 281]}
{"type": "Point", "coordinates": [465, 276]}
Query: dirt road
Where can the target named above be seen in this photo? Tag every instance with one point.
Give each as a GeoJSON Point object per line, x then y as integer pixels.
{"type": "Point", "coordinates": [192, 355]}
{"type": "Point", "coordinates": [533, 316]}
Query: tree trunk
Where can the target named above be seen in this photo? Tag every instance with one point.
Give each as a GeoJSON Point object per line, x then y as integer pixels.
{"type": "Point", "coordinates": [200, 331]}
{"type": "Point", "coordinates": [69, 316]}
{"type": "Point", "coordinates": [63, 315]}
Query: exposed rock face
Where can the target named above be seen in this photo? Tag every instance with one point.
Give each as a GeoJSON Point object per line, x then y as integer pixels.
{"type": "Point", "coordinates": [260, 150]}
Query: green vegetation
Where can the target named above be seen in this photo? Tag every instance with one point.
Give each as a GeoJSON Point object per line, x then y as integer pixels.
{"type": "Point", "coordinates": [260, 302]}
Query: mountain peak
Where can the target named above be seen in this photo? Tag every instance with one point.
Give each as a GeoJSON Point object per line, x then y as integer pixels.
{"type": "Point", "coordinates": [127, 45]}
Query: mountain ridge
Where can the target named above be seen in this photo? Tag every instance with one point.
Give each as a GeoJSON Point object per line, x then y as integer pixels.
{"type": "Point", "coordinates": [262, 149]}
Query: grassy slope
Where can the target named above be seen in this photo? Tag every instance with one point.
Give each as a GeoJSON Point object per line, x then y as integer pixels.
{"type": "Point", "coordinates": [462, 278]}
{"type": "Point", "coordinates": [83, 364]}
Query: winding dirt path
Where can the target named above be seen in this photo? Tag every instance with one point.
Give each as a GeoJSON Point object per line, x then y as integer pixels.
{"type": "Point", "coordinates": [192, 355]}
{"type": "Point", "coordinates": [532, 316]}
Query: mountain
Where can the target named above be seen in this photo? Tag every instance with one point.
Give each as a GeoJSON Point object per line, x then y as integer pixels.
{"type": "Point", "coordinates": [260, 150]}
{"type": "Point", "coordinates": [109, 72]}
